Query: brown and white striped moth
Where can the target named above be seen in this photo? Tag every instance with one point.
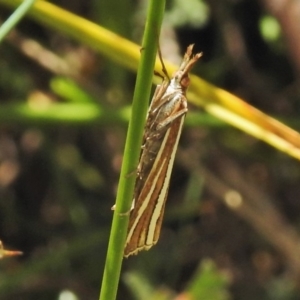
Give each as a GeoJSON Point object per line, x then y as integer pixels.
{"type": "Point", "coordinates": [161, 136]}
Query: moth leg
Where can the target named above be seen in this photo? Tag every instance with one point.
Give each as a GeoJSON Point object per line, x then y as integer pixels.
{"type": "Point", "coordinates": [158, 87]}
{"type": "Point", "coordinates": [158, 96]}
{"type": "Point", "coordinates": [159, 75]}
{"type": "Point", "coordinates": [161, 101]}
{"type": "Point", "coordinates": [171, 118]}
{"type": "Point", "coordinates": [127, 212]}
{"type": "Point", "coordinates": [135, 171]}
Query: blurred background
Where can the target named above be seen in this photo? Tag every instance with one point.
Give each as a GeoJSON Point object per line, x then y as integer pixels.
{"type": "Point", "coordinates": [231, 226]}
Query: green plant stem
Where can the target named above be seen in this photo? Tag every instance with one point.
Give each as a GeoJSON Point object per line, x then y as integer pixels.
{"type": "Point", "coordinates": [18, 14]}
{"type": "Point", "coordinates": [132, 149]}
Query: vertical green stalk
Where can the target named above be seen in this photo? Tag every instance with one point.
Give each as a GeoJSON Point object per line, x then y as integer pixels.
{"type": "Point", "coordinates": [15, 18]}
{"type": "Point", "coordinates": [141, 97]}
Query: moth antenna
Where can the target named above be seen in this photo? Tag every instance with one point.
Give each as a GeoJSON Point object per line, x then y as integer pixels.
{"type": "Point", "coordinates": [164, 69]}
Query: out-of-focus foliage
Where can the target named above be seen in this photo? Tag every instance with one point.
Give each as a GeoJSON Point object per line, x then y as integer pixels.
{"type": "Point", "coordinates": [207, 283]}
{"type": "Point", "coordinates": [270, 28]}
{"type": "Point", "coordinates": [193, 13]}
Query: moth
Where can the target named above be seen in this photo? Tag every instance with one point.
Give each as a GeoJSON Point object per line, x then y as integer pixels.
{"type": "Point", "coordinates": [162, 131]}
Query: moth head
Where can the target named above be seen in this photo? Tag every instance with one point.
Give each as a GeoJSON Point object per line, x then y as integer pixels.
{"type": "Point", "coordinates": [181, 78]}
